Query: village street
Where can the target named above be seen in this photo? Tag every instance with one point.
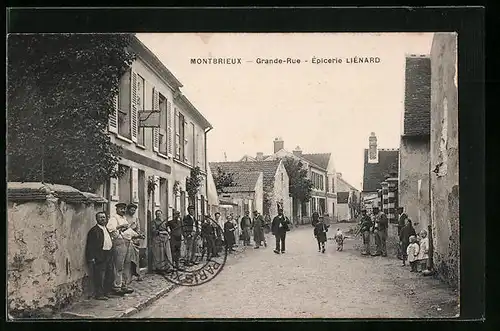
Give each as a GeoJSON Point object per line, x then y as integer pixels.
{"type": "Point", "coordinates": [306, 284]}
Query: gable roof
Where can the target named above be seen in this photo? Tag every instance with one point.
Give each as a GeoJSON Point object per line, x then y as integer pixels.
{"type": "Point", "coordinates": [375, 173]}
{"type": "Point", "coordinates": [268, 169]}
{"type": "Point", "coordinates": [319, 159]}
{"type": "Point", "coordinates": [244, 182]}
{"type": "Point", "coordinates": [417, 104]}
{"type": "Point", "coordinates": [347, 184]}
{"type": "Point", "coordinates": [247, 158]}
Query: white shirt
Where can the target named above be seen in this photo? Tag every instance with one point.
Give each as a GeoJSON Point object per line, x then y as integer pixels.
{"type": "Point", "coordinates": [107, 239]}
{"type": "Point", "coordinates": [113, 223]}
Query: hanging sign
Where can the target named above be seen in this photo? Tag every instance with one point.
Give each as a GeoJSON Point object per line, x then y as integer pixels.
{"type": "Point", "coordinates": [149, 119]}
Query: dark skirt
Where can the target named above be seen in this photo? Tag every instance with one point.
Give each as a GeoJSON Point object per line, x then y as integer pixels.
{"type": "Point", "coordinates": [321, 237]}
{"type": "Point", "coordinates": [229, 238]}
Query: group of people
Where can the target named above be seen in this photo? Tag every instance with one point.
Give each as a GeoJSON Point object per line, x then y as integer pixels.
{"type": "Point", "coordinates": [112, 251]}
{"type": "Point", "coordinates": [412, 247]}
{"type": "Point", "coordinates": [258, 226]}
{"type": "Point", "coordinates": [320, 230]}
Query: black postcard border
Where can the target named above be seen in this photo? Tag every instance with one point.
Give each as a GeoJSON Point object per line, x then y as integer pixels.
{"type": "Point", "coordinates": [467, 22]}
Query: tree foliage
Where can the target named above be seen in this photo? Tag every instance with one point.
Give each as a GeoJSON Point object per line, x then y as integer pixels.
{"type": "Point", "coordinates": [60, 95]}
{"type": "Point", "coordinates": [193, 183]}
{"type": "Point", "coordinates": [300, 186]}
{"type": "Point", "coordinates": [223, 179]}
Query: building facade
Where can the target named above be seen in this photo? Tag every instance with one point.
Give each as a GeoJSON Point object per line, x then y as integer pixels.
{"type": "Point", "coordinates": [380, 176]}
{"type": "Point", "coordinates": [320, 170]}
{"type": "Point", "coordinates": [156, 160]}
{"type": "Point", "coordinates": [444, 159]}
{"type": "Point", "coordinates": [275, 183]}
{"type": "Point", "coordinates": [346, 195]}
{"type": "Point", "coordinates": [414, 151]}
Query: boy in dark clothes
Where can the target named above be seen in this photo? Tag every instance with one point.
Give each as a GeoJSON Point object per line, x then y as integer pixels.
{"type": "Point", "coordinates": [404, 238]}
{"type": "Point", "coordinates": [320, 230]}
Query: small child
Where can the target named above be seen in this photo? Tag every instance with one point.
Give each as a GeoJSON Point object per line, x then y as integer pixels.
{"type": "Point", "coordinates": [423, 253]}
{"type": "Point", "coordinates": [339, 238]}
{"type": "Point", "coordinates": [412, 252]}
{"type": "Point", "coordinates": [320, 230]}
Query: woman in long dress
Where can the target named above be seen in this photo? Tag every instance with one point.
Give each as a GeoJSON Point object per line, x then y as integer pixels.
{"type": "Point", "coordinates": [160, 244]}
{"type": "Point", "coordinates": [229, 229]}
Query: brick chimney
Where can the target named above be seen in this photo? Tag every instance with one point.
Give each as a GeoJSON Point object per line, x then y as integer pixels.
{"type": "Point", "coordinates": [279, 144]}
{"type": "Point", "coordinates": [260, 156]}
{"type": "Point", "coordinates": [297, 151]}
{"type": "Point", "coordinates": [372, 149]}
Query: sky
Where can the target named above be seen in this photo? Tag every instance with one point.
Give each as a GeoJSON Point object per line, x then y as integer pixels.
{"type": "Point", "coordinates": [323, 108]}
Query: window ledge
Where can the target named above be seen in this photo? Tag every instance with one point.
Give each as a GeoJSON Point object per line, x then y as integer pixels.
{"type": "Point", "coordinates": [162, 155]}
{"type": "Point", "coordinates": [141, 146]}
{"type": "Point", "coordinates": [123, 138]}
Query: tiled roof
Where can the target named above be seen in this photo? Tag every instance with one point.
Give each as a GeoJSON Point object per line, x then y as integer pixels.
{"type": "Point", "coordinates": [35, 191]}
{"type": "Point", "coordinates": [320, 159]}
{"type": "Point", "coordinates": [268, 168]}
{"type": "Point", "coordinates": [346, 183]}
{"type": "Point", "coordinates": [244, 182]}
{"type": "Point", "coordinates": [417, 104]}
{"type": "Point", "coordinates": [375, 173]}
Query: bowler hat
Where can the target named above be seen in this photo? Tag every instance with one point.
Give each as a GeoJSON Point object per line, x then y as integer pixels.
{"type": "Point", "coordinates": [121, 205]}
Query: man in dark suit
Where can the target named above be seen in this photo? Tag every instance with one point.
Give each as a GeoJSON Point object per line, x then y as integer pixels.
{"type": "Point", "coordinates": [98, 253]}
{"type": "Point", "coordinates": [191, 228]}
{"type": "Point", "coordinates": [279, 228]}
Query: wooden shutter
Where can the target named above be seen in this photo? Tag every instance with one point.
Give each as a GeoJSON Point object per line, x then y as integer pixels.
{"type": "Point", "coordinates": [135, 185]}
{"type": "Point", "coordinates": [177, 133]}
{"type": "Point", "coordinates": [114, 190]}
{"type": "Point", "coordinates": [157, 191]}
{"type": "Point", "coordinates": [185, 142]}
{"type": "Point", "coordinates": [133, 107]}
{"type": "Point", "coordinates": [170, 136]}
{"type": "Point", "coordinates": [113, 116]}
{"type": "Point", "coordinates": [156, 131]}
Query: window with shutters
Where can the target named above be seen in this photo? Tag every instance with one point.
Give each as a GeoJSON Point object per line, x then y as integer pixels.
{"type": "Point", "coordinates": [163, 125]}
{"type": "Point", "coordinates": [177, 134]}
{"type": "Point", "coordinates": [192, 143]}
{"type": "Point", "coordinates": [169, 128]}
{"type": "Point", "coordinates": [140, 102]}
{"type": "Point", "coordinates": [124, 106]}
{"type": "Point", "coordinates": [180, 137]}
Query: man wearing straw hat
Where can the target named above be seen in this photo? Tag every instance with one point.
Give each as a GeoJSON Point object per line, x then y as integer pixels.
{"type": "Point", "coordinates": [117, 225]}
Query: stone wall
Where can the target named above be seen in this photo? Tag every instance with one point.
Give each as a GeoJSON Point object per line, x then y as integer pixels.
{"type": "Point", "coordinates": [444, 158]}
{"type": "Point", "coordinates": [47, 231]}
{"type": "Point", "coordinates": [414, 167]}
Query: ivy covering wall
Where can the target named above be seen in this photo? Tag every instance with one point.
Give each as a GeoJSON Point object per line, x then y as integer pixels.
{"type": "Point", "coordinates": [61, 90]}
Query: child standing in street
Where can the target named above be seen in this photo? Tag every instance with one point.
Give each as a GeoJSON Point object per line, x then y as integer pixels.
{"type": "Point", "coordinates": [339, 238]}
{"type": "Point", "coordinates": [320, 230]}
{"type": "Point", "coordinates": [423, 253]}
{"type": "Point", "coordinates": [412, 253]}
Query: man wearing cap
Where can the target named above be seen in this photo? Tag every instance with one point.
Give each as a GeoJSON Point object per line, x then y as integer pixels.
{"type": "Point", "coordinates": [365, 228]}
{"type": "Point", "coordinates": [191, 229]}
{"type": "Point", "coordinates": [246, 224]}
{"type": "Point", "coordinates": [279, 228]}
{"type": "Point", "coordinates": [258, 229]}
{"type": "Point", "coordinates": [117, 225]}
{"type": "Point", "coordinates": [175, 229]}
{"type": "Point", "coordinates": [380, 230]}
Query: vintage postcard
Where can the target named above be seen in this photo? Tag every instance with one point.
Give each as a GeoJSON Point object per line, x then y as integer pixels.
{"type": "Point", "coordinates": [233, 175]}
